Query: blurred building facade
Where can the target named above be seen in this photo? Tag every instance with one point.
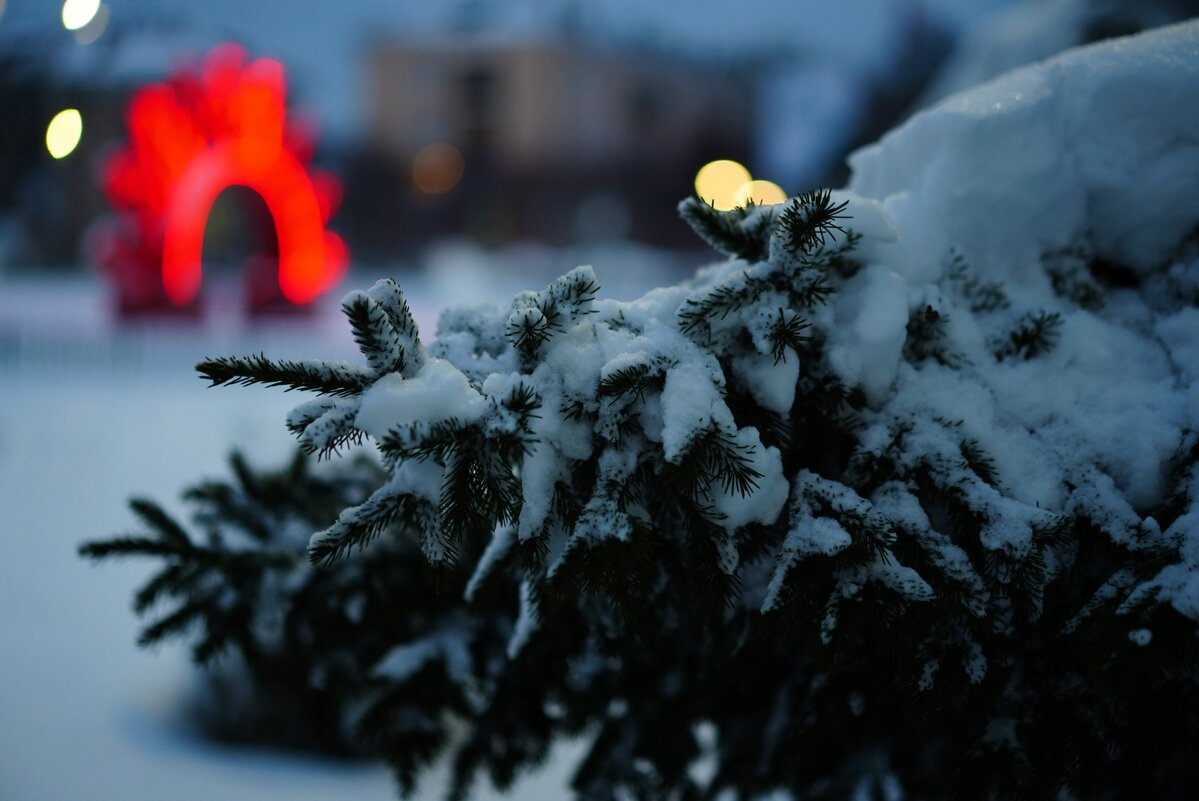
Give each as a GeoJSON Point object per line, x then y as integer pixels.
{"type": "Point", "coordinates": [524, 108]}
{"type": "Point", "coordinates": [554, 141]}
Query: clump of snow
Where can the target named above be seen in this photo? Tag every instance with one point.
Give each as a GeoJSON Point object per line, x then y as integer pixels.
{"type": "Point", "coordinates": [1141, 637]}
{"type": "Point", "coordinates": [770, 382]}
{"type": "Point", "coordinates": [440, 391]}
{"type": "Point", "coordinates": [764, 503]}
{"type": "Point", "coordinates": [527, 621]}
{"type": "Point", "coordinates": [497, 549]}
{"type": "Point", "coordinates": [1095, 151]}
{"type": "Point", "coordinates": [419, 478]}
{"type": "Point", "coordinates": [928, 675]}
{"type": "Point", "coordinates": [689, 401]}
{"type": "Point", "coordinates": [602, 519]}
{"type": "Point", "coordinates": [451, 645]}
{"type": "Point", "coordinates": [868, 333]}
{"type": "Point", "coordinates": [974, 662]}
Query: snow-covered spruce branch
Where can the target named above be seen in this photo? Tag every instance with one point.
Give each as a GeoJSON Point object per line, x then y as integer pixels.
{"type": "Point", "coordinates": [595, 437]}
{"type": "Point", "coordinates": [891, 466]}
{"type": "Point", "coordinates": [308, 375]}
{"type": "Point", "coordinates": [608, 404]}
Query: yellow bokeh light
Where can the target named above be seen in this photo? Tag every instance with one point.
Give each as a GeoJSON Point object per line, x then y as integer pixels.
{"type": "Point", "coordinates": [77, 13]}
{"type": "Point", "coordinates": [437, 168]}
{"type": "Point", "coordinates": [717, 183]}
{"type": "Point", "coordinates": [64, 132]}
{"type": "Point", "coordinates": [762, 193]}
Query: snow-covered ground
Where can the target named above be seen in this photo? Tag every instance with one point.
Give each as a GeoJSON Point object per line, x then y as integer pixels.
{"type": "Point", "coordinates": [86, 714]}
{"type": "Point", "coordinates": [92, 412]}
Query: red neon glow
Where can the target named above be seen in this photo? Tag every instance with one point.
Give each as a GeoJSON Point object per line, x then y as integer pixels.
{"type": "Point", "coordinates": [194, 136]}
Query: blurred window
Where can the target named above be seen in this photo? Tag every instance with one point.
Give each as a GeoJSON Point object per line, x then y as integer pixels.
{"type": "Point", "coordinates": [478, 85]}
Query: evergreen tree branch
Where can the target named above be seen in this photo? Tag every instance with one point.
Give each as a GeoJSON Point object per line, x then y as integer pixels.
{"type": "Point", "coordinates": [742, 233]}
{"type": "Point", "coordinates": [811, 219]}
{"type": "Point", "coordinates": [358, 525]}
{"type": "Point", "coordinates": [374, 333]}
{"type": "Point", "coordinates": [1033, 336]}
{"type": "Point", "coordinates": [313, 376]}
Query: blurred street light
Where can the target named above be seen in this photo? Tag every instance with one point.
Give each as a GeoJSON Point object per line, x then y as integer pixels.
{"type": "Point", "coordinates": [437, 168]}
{"type": "Point", "coordinates": [64, 132]}
{"type": "Point", "coordinates": [78, 13]}
{"type": "Point", "coordinates": [762, 193]}
{"type": "Point", "coordinates": [717, 183]}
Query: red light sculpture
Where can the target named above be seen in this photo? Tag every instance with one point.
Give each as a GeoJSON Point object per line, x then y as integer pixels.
{"type": "Point", "coordinates": [192, 137]}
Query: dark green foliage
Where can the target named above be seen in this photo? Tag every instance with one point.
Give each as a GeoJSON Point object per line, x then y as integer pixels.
{"type": "Point", "coordinates": [978, 461]}
{"type": "Point", "coordinates": [786, 333]}
{"type": "Point", "coordinates": [1071, 279]}
{"type": "Point", "coordinates": [906, 623]}
{"type": "Point", "coordinates": [240, 592]}
{"type": "Point", "coordinates": [926, 338]}
{"type": "Point", "coordinates": [338, 418]}
{"type": "Point", "coordinates": [811, 219]}
{"type": "Point", "coordinates": [633, 381]}
{"type": "Point", "coordinates": [1033, 335]}
{"type": "Point", "coordinates": [715, 458]}
{"type": "Point", "coordinates": [806, 224]}
{"type": "Point", "coordinates": [536, 317]}
{"type": "Point", "coordinates": [370, 519]}
{"type": "Point", "coordinates": [805, 227]}
{"type": "Point", "coordinates": [310, 376]}
{"type": "Point", "coordinates": [374, 334]}
{"type": "Point", "coordinates": [982, 297]}
{"type": "Point", "coordinates": [743, 233]}
{"type": "Point", "coordinates": [697, 316]}
{"type": "Point", "coordinates": [481, 487]}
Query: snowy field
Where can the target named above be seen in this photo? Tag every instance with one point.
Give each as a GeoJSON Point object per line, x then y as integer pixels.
{"type": "Point", "coordinates": [89, 415]}
{"type": "Point", "coordinates": [86, 714]}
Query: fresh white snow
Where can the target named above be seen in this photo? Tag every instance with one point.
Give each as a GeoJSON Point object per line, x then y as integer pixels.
{"type": "Point", "coordinates": [438, 392]}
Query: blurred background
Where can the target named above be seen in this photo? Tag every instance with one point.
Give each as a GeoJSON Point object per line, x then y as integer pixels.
{"type": "Point", "coordinates": [181, 179]}
{"type": "Point", "coordinates": [491, 125]}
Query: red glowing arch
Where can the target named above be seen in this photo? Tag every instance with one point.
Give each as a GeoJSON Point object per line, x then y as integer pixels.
{"type": "Point", "coordinates": [191, 138]}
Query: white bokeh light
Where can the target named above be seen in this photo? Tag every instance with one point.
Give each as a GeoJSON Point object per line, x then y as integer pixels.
{"type": "Point", "coordinates": [78, 13]}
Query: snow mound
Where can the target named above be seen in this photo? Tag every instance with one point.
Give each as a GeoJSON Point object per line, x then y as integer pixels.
{"type": "Point", "coordinates": [1030, 182]}
{"type": "Point", "coordinates": [1076, 146]}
